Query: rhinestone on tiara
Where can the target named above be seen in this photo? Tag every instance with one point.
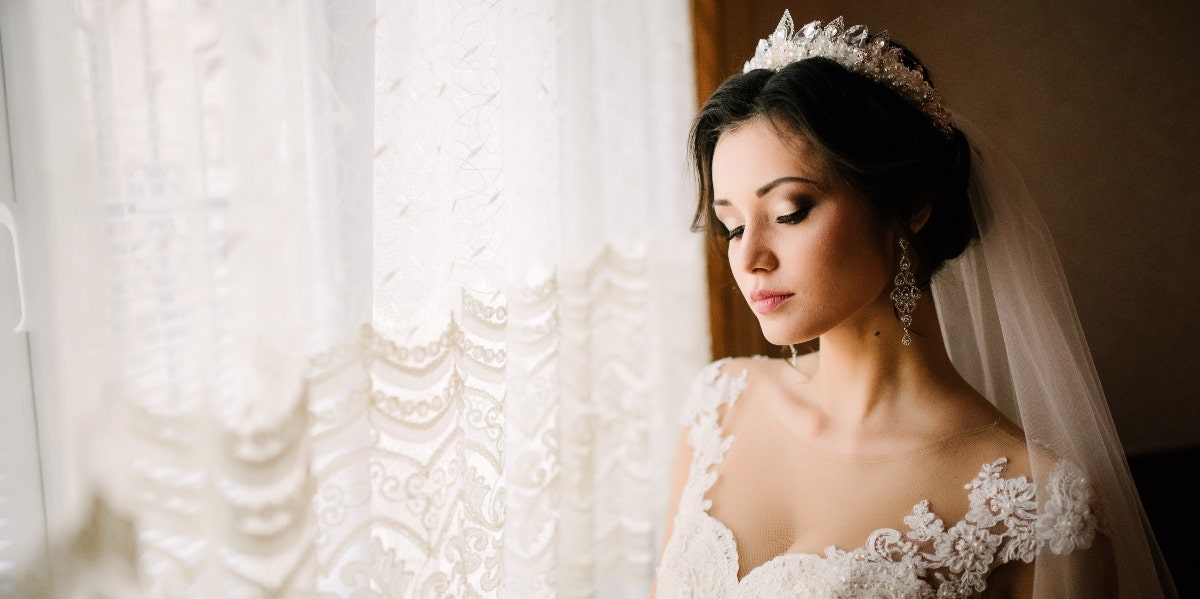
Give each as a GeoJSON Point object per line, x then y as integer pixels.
{"type": "Point", "coordinates": [857, 50]}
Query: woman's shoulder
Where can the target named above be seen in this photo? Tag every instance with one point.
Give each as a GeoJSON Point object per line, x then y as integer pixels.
{"type": "Point", "coordinates": [1015, 456]}
{"type": "Point", "coordinates": [733, 373]}
{"type": "Point", "coordinates": [1066, 511]}
{"type": "Point", "coordinates": [759, 370]}
{"type": "Point", "coordinates": [1001, 440]}
{"type": "Point", "coordinates": [717, 384]}
{"type": "Point", "coordinates": [739, 365]}
{"type": "Point", "coordinates": [722, 383]}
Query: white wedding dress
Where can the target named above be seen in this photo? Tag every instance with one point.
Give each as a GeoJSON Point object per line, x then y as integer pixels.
{"type": "Point", "coordinates": [1007, 517]}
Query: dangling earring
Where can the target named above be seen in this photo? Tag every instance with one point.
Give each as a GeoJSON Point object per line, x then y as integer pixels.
{"type": "Point", "coordinates": [906, 293]}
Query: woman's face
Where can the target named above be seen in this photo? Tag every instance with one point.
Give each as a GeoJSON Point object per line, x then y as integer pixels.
{"type": "Point", "coordinates": [805, 250]}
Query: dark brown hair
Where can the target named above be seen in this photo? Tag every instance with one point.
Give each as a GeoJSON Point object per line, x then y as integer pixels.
{"type": "Point", "coordinates": [890, 152]}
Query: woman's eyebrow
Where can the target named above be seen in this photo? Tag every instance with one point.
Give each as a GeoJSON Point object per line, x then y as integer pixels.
{"type": "Point", "coordinates": [769, 186]}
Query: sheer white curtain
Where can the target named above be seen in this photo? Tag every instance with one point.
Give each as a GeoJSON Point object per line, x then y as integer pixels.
{"type": "Point", "coordinates": [352, 298]}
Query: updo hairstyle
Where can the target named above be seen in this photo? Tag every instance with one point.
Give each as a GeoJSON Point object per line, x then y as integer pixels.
{"type": "Point", "coordinates": [889, 151]}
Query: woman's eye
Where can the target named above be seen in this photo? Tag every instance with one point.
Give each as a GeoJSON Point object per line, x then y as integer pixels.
{"type": "Point", "coordinates": [730, 234]}
{"type": "Point", "coordinates": [796, 216]}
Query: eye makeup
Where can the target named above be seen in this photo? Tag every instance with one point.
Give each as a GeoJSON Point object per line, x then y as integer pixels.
{"type": "Point", "coordinates": [803, 207]}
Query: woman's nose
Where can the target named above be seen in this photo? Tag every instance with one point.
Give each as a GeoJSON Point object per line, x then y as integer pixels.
{"type": "Point", "coordinates": [756, 252]}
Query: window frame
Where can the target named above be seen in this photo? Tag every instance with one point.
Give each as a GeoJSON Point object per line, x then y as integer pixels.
{"type": "Point", "coordinates": [23, 511]}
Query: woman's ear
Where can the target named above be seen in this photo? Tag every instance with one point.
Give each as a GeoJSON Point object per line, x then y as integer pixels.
{"type": "Point", "coordinates": [919, 219]}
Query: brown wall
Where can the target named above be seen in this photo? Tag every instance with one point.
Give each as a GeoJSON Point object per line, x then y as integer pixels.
{"type": "Point", "coordinates": [1099, 105]}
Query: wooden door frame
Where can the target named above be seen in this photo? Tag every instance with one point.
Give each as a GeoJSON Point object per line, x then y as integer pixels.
{"type": "Point", "coordinates": [720, 33]}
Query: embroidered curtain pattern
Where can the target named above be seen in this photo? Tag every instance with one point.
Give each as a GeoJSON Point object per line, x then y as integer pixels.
{"type": "Point", "coordinates": [385, 299]}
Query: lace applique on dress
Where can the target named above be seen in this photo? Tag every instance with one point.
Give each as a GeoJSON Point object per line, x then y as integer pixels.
{"type": "Point", "coordinates": [1005, 523]}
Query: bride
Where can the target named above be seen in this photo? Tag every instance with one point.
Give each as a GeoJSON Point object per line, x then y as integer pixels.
{"type": "Point", "coordinates": [950, 438]}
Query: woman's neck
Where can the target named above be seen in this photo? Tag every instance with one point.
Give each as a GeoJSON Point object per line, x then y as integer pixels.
{"type": "Point", "coordinates": [866, 378]}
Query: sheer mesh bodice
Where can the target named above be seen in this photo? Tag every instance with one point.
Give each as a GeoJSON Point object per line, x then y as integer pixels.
{"type": "Point", "coordinates": [901, 526]}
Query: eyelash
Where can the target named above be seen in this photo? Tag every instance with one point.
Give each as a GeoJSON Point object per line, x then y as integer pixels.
{"type": "Point", "coordinates": [787, 219]}
{"type": "Point", "coordinates": [795, 217]}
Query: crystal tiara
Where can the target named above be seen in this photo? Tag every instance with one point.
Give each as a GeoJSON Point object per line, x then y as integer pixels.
{"type": "Point", "coordinates": [858, 51]}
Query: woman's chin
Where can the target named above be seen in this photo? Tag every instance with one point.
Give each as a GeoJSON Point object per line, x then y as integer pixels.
{"type": "Point", "coordinates": [780, 337]}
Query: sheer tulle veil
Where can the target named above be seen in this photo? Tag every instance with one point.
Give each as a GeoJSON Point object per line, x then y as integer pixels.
{"type": "Point", "coordinates": [1011, 329]}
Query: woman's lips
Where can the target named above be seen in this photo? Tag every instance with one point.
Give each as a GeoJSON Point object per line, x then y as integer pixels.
{"type": "Point", "coordinates": [764, 301]}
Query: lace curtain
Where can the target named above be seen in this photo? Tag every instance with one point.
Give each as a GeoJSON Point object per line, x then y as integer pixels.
{"type": "Point", "coordinates": [360, 299]}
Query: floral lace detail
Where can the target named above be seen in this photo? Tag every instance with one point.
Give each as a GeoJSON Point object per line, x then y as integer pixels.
{"type": "Point", "coordinates": [712, 389]}
{"type": "Point", "coordinates": [1067, 521]}
{"type": "Point", "coordinates": [1004, 523]}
